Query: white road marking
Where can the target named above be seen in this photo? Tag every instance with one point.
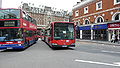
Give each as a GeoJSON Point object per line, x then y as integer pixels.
{"type": "Point", "coordinates": [110, 51]}
{"type": "Point", "coordinates": [100, 63]}
{"type": "Point", "coordinates": [118, 63]}
{"type": "Point", "coordinates": [103, 44]}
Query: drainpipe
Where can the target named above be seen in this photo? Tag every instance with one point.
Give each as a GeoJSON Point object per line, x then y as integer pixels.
{"type": "Point", "coordinates": [92, 32]}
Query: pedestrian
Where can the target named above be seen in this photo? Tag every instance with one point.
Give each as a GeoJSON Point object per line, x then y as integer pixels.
{"type": "Point", "coordinates": [113, 38]}
{"type": "Point", "coordinates": [116, 38]}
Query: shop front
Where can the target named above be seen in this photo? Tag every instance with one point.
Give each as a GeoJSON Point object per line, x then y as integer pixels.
{"type": "Point", "coordinates": [85, 32]}
{"type": "Point", "coordinates": [114, 28]}
{"type": "Point", "coordinates": [100, 32]}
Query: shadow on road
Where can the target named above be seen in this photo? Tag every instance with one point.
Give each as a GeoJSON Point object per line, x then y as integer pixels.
{"type": "Point", "coordinates": [12, 50]}
{"type": "Point", "coordinates": [61, 48]}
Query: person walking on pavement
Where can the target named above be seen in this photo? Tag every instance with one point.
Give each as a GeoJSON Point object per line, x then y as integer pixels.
{"type": "Point", "coordinates": [116, 38]}
{"type": "Point", "coordinates": [113, 38]}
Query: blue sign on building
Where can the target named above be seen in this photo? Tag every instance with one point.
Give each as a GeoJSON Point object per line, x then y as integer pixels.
{"type": "Point", "coordinates": [101, 26]}
{"type": "Point", "coordinates": [85, 28]}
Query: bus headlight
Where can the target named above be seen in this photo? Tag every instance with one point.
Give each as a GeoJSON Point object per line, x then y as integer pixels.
{"type": "Point", "coordinates": [73, 44]}
{"type": "Point", "coordinates": [19, 41]}
{"type": "Point", "coordinates": [19, 44]}
{"type": "Point", "coordinates": [54, 44]}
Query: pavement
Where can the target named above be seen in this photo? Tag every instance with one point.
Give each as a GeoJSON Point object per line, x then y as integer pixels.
{"type": "Point", "coordinates": [99, 42]}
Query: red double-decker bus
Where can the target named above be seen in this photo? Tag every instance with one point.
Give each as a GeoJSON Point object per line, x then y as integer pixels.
{"type": "Point", "coordinates": [60, 34]}
{"type": "Point", "coordinates": [17, 29]}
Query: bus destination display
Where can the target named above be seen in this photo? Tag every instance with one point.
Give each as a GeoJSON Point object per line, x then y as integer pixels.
{"type": "Point", "coordinates": [9, 23]}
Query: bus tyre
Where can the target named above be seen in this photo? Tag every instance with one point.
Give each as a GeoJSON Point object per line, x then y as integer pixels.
{"type": "Point", "coordinates": [53, 48]}
{"type": "Point", "coordinates": [36, 39]}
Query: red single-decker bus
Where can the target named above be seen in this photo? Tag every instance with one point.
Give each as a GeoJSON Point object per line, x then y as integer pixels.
{"type": "Point", "coordinates": [60, 34]}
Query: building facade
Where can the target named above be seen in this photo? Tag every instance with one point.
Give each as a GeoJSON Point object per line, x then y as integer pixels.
{"type": "Point", "coordinates": [44, 15]}
{"type": "Point", "coordinates": [97, 19]}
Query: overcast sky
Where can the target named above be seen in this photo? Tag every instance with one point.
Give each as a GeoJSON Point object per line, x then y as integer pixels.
{"type": "Point", "coordinates": [60, 4]}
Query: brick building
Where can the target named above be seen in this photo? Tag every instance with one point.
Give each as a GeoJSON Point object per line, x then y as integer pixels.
{"type": "Point", "coordinates": [44, 15]}
{"type": "Point", "coordinates": [97, 19]}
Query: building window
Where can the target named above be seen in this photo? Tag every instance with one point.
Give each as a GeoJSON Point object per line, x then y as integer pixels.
{"type": "Point", "coordinates": [99, 19]}
{"type": "Point", "coordinates": [117, 17]}
{"type": "Point", "coordinates": [77, 13]}
{"type": "Point", "coordinates": [99, 5]}
{"type": "Point", "coordinates": [116, 2]}
{"type": "Point", "coordinates": [86, 10]}
{"type": "Point", "coordinates": [87, 21]}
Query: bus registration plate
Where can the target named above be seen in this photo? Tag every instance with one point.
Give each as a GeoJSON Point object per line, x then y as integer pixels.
{"type": "Point", "coordinates": [9, 48]}
{"type": "Point", "coordinates": [64, 46]}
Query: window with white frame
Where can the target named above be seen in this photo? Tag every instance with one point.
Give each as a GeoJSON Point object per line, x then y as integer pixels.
{"type": "Point", "coordinates": [116, 2]}
{"type": "Point", "coordinates": [99, 19]}
{"type": "Point", "coordinates": [77, 13]}
{"type": "Point", "coordinates": [86, 10]}
{"type": "Point", "coordinates": [117, 17]}
{"type": "Point", "coordinates": [87, 21]}
{"type": "Point", "coordinates": [99, 5]}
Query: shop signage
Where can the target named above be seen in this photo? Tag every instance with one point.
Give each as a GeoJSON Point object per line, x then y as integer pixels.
{"type": "Point", "coordinates": [101, 26]}
{"type": "Point", "coordinates": [114, 25]}
{"type": "Point", "coordinates": [85, 28]}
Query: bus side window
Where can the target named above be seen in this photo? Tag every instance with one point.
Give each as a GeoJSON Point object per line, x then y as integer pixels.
{"type": "Point", "coordinates": [24, 16]}
{"type": "Point", "coordinates": [48, 32]}
{"type": "Point", "coordinates": [45, 33]}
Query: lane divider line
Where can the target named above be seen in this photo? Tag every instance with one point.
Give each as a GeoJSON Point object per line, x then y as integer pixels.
{"type": "Point", "coordinates": [110, 51]}
{"type": "Point", "coordinates": [100, 63]}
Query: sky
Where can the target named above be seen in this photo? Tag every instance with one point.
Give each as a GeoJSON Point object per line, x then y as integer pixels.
{"type": "Point", "coordinates": [59, 4]}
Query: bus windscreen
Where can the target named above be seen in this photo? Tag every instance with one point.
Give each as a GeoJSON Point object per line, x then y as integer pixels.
{"type": "Point", "coordinates": [63, 31]}
{"type": "Point", "coordinates": [10, 14]}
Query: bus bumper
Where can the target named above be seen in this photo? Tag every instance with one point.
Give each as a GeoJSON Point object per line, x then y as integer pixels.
{"type": "Point", "coordinates": [12, 47]}
{"type": "Point", "coordinates": [63, 45]}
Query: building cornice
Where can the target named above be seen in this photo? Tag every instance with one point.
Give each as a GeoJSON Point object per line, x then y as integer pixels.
{"type": "Point", "coordinates": [97, 13]}
{"type": "Point", "coordinates": [109, 22]}
{"type": "Point", "coordinates": [84, 3]}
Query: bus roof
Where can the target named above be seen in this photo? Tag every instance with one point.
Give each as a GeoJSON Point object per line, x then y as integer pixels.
{"type": "Point", "coordinates": [9, 8]}
{"type": "Point", "coordinates": [61, 22]}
